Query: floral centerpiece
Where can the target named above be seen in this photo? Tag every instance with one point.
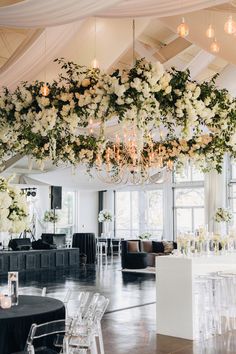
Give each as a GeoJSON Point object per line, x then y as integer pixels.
{"type": "Point", "coordinates": [13, 208]}
{"type": "Point", "coordinates": [223, 215]}
{"type": "Point", "coordinates": [105, 216]}
{"type": "Point", "coordinates": [145, 236]}
{"type": "Point", "coordinates": [50, 216]}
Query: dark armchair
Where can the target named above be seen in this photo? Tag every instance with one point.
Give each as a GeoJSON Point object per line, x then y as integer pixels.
{"type": "Point", "coordinates": [131, 255]}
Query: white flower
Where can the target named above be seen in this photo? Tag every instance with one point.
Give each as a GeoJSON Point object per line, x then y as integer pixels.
{"type": "Point", "coordinates": [5, 200]}
{"type": "Point", "coordinates": [105, 215]}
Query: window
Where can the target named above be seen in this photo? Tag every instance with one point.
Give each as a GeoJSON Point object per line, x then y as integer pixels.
{"type": "Point", "coordinates": [188, 191]}
{"type": "Point", "coordinates": [176, 206]}
{"type": "Point", "coordinates": [66, 222]}
{"type": "Point", "coordinates": [155, 212]}
{"type": "Point", "coordinates": [127, 214]}
{"type": "Point", "coordinates": [138, 212]}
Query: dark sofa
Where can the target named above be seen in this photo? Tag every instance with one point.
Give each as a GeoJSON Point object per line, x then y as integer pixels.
{"type": "Point", "coordinates": [137, 254]}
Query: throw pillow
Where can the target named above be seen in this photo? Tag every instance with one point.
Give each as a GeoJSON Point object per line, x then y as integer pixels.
{"type": "Point", "coordinates": [168, 246]}
{"type": "Point", "coordinates": [157, 247]}
{"type": "Point", "coordinates": [133, 246]}
{"type": "Point", "coordinates": [146, 246]}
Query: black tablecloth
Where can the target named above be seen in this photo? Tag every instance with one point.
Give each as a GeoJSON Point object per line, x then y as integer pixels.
{"type": "Point", "coordinates": [15, 323]}
{"type": "Point", "coordinates": [87, 244]}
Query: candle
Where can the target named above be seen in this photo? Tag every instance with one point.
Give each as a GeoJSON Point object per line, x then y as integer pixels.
{"type": "Point", "coordinates": [5, 302]}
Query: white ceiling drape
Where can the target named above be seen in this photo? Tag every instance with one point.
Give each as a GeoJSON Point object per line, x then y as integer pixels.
{"type": "Point", "coordinates": [157, 8]}
{"type": "Point", "coordinates": [45, 13]}
{"type": "Point", "coordinates": [28, 61]}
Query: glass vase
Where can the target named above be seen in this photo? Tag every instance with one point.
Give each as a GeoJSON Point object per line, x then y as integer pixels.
{"type": "Point", "coordinates": [13, 283]}
{"type": "Point", "coordinates": [106, 229]}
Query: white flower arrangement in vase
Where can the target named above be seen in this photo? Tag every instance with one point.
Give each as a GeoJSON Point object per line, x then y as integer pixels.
{"type": "Point", "coordinates": [50, 216]}
{"type": "Point", "coordinates": [223, 215]}
{"type": "Point", "coordinates": [105, 216]}
{"type": "Point", "coordinates": [13, 208]}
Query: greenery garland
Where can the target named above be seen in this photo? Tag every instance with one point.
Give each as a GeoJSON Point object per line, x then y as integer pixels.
{"type": "Point", "coordinates": [188, 120]}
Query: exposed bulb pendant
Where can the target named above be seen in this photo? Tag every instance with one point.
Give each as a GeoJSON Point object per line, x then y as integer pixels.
{"type": "Point", "coordinates": [210, 32]}
{"type": "Point", "coordinates": [44, 90]}
{"type": "Point", "coordinates": [230, 25]}
{"type": "Point", "coordinates": [95, 64]}
{"type": "Point", "coordinates": [215, 48]}
{"type": "Point", "coordinates": [183, 29]}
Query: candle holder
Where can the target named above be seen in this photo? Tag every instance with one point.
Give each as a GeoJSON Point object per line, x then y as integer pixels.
{"type": "Point", "coordinates": [6, 302]}
{"type": "Point", "coordinates": [13, 287]}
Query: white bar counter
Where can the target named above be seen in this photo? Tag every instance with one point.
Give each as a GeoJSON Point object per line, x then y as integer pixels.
{"type": "Point", "coordinates": [175, 299]}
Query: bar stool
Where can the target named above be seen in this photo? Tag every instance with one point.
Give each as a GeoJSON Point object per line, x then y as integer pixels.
{"type": "Point", "coordinates": [102, 247]}
{"type": "Point", "coordinates": [115, 247]}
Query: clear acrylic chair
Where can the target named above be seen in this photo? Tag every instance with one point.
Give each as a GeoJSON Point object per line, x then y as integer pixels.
{"type": "Point", "coordinates": [37, 342]}
{"type": "Point", "coordinates": [86, 332]}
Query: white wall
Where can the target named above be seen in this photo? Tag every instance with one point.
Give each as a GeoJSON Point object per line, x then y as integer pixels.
{"type": "Point", "coordinates": [88, 212]}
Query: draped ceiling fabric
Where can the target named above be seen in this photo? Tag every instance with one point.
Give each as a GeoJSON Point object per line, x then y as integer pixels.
{"type": "Point", "coordinates": [45, 13]}
{"type": "Point", "coordinates": [157, 8]}
{"type": "Point", "coordinates": [63, 19]}
{"type": "Point", "coordinates": [27, 62]}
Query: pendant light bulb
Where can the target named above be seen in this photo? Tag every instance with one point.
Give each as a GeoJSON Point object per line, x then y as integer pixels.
{"type": "Point", "coordinates": [183, 29]}
{"type": "Point", "coordinates": [215, 48]}
{"type": "Point", "coordinates": [95, 64]}
{"type": "Point", "coordinates": [210, 32]}
{"type": "Point", "coordinates": [44, 90]}
{"type": "Point", "coordinates": [230, 25]}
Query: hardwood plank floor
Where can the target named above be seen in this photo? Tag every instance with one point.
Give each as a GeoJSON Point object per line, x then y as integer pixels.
{"type": "Point", "coordinates": [129, 324]}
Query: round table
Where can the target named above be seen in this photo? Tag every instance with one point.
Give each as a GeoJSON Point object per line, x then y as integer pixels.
{"type": "Point", "coordinates": [15, 322]}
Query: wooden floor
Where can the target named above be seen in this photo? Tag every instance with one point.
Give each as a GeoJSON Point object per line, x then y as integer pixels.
{"type": "Point", "coordinates": [129, 324]}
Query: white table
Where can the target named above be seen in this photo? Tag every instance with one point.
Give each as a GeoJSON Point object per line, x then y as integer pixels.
{"type": "Point", "coordinates": [175, 299]}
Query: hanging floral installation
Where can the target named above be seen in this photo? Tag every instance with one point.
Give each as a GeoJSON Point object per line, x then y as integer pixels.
{"type": "Point", "coordinates": [163, 118]}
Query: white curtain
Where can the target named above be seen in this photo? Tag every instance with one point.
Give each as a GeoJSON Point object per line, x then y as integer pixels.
{"type": "Point", "coordinates": [47, 13]}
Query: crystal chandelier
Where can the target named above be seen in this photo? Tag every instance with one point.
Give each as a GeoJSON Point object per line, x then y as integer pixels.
{"type": "Point", "coordinates": [132, 160]}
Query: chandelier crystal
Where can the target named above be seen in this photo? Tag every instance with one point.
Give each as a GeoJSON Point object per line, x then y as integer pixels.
{"type": "Point", "coordinates": [183, 29]}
